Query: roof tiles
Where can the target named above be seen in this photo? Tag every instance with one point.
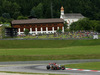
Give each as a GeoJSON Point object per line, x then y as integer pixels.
{"type": "Point", "coordinates": [34, 21]}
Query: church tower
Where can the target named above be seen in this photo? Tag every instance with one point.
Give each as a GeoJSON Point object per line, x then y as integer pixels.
{"type": "Point", "coordinates": [62, 12]}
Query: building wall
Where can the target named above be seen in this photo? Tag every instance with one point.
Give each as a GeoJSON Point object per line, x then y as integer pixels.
{"type": "Point", "coordinates": [39, 28]}
{"type": "Point", "coordinates": [69, 21]}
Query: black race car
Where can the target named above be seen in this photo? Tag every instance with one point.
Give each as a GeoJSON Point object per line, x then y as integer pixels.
{"type": "Point", "coordinates": [54, 66]}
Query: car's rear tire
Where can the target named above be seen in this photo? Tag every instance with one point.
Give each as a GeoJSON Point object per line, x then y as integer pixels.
{"type": "Point", "coordinates": [48, 67]}
{"type": "Point", "coordinates": [63, 67]}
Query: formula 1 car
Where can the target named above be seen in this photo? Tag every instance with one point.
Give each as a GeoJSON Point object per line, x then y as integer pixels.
{"type": "Point", "coordinates": [54, 66]}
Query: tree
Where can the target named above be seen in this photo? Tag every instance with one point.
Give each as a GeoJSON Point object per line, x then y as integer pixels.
{"type": "Point", "coordinates": [26, 32]}
{"type": "Point", "coordinates": [16, 14]}
{"type": "Point", "coordinates": [98, 29]}
{"type": "Point", "coordinates": [59, 31]}
{"type": "Point", "coordinates": [73, 26]}
{"type": "Point", "coordinates": [94, 24]}
{"type": "Point", "coordinates": [38, 11]}
{"type": "Point", "coordinates": [11, 7]}
{"type": "Point", "coordinates": [6, 15]}
{"type": "Point", "coordinates": [3, 31]}
{"type": "Point", "coordinates": [32, 13]}
{"type": "Point", "coordinates": [82, 24]}
{"type": "Point", "coordinates": [21, 17]}
{"type": "Point", "coordinates": [88, 8]}
{"type": "Point", "coordinates": [65, 25]}
{"type": "Point", "coordinates": [3, 20]}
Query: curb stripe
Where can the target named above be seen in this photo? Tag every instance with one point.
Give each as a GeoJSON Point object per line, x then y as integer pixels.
{"type": "Point", "coordinates": [82, 70]}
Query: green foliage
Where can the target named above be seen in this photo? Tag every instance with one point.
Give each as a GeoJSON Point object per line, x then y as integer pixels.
{"type": "Point", "coordinates": [37, 11]}
{"type": "Point", "coordinates": [10, 7]}
{"type": "Point", "coordinates": [98, 28]}
{"type": "Point", "coordinates": [14, 9]}
{"type": "Point", "coordinates": [59, 31]}
{"type": "Point", "coordinates": [85, 24]}
{"type": "Point", "coordinates": [65, 25]}
{"type": "Point", "coordinates": [6, 15]}
{"type": "Point", "coordinates": [21, 17]}
{"type": "Point", "coordinates": [26, 32]}
{"type": "Point", "coordinates": [3, 31]}
{"type": "Point", "coordinates": [32, 13]}
{"type": "Point", "coordinates": [3, 20]}
{"type": "Point", "coordinates": [0, 32]}
{"type": "Point", "coordinates": [89, 8]}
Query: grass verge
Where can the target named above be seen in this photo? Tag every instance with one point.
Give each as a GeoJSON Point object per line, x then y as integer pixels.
{"type": "Point", "coordinates": [90, 65]}
{"type": "Point", "coordinates": [8, 44]}
{"type": "Point", "coordinates": [79, 52]}
{"type": "Point", "coordinates": [29, 50]}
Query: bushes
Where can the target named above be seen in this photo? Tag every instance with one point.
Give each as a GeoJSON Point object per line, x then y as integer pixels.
{"type": "Point", "coordinates": [86, 24]}
{"type": "Point", "coordinates": [98, 28]}
{"type": "Point", "coordinates": [26, 32]}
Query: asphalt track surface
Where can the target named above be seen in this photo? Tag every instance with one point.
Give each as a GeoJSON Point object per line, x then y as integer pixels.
{"type": "Point", "coordinates": [40, 67]}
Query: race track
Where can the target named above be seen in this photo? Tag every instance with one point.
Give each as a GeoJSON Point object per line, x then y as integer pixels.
{"type": "Point", "coordinates": [40, 67]}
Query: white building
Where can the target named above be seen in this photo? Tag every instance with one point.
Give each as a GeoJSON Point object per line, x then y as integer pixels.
{"type": "Point", "coordinates": [70, 17]}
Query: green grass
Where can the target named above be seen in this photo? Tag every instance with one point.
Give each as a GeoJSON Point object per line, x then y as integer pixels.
{"type": "Point", "coordinates": [90, 65]}
{"type": "Point", "coordinates": [46, 43]}
{"type": "Point", "coordinates": [28, 54]}
{"type": "Point", "coordinates": [75, 50]}
{"type": "Point", "coordinates": [30, 50]}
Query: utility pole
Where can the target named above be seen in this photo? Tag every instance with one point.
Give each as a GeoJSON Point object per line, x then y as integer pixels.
{"type": "Point", "coordinates": [51, 10]}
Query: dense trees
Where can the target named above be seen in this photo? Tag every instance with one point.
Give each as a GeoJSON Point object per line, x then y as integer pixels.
{"type": "Point", "coordinates": [22, 9]}
{"type": "Point", "coordinates": [37, 11]}
{"type": "Point", "coordinates": [11, 7]}
{"type": "Point", "coordinates": [15, 8]}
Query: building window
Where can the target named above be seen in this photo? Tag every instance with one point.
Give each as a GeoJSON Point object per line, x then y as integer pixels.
{"type": "Point", "coordinates": [60, 27]}
{"type": "Point", "coordinates": [39, 29]}
{"type": "Point", "coordinates": [38, 25]}
{"type": "Point", "coordinates": [21, 29]}
{"type": "Point", "coordinates": [50, 25]}
{"type": "Point", "coordinates": [49, 28]}
{"type": "Point", "coordinates": [55, 28]}
{"type": "Point", "coordinates": [33, 29]}
{"type": "Point", "coordinates": [44, 28]}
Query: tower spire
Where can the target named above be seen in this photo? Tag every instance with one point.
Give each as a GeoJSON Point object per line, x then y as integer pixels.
{"type": "Point", "coordinates": [62, 12]}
